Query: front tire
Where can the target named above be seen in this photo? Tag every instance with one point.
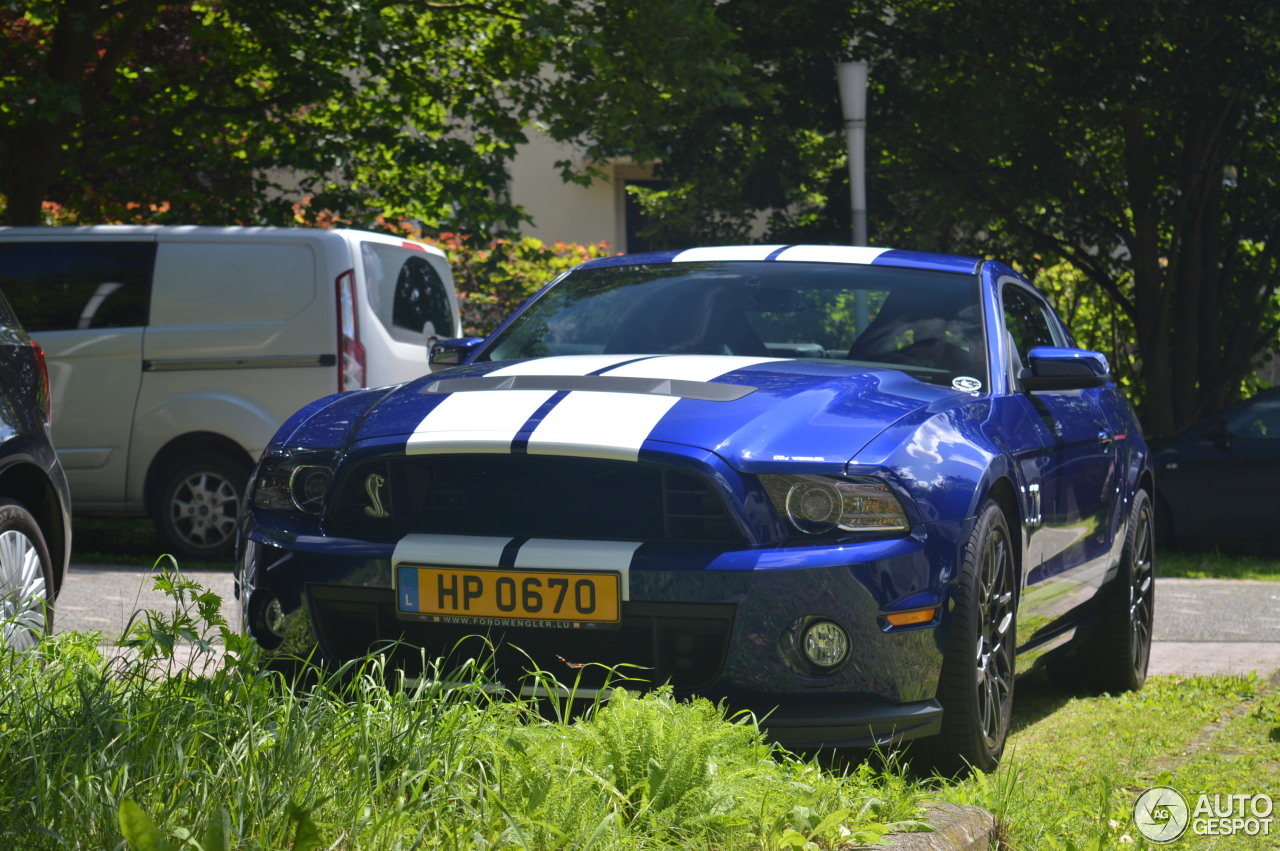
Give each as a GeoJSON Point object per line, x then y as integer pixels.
{"type": "Point", "coordinates": [26, 579]}
{"type": "Point", "coordinates": [198, 506]}
{"type": "Point", "coordinates": [976, 685]}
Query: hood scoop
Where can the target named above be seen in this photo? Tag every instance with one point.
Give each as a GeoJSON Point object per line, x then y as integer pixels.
{"type": "Point", "coordinates": [706, 391]}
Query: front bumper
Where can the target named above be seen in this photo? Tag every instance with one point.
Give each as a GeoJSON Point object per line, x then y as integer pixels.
{"type": "Point", "coordinates": [707, 623]}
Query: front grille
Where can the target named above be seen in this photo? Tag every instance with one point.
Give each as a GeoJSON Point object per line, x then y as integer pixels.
{"type": "Point", "coordinates": [684, 644]}
{"type": "Point", "coordinates": [532, 496]}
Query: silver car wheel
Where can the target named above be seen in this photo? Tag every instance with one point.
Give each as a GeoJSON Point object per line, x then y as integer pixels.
{"type": "Point", "coordinates": [24, 595]}
{"type": "Point", "coordinates": [204, 510]}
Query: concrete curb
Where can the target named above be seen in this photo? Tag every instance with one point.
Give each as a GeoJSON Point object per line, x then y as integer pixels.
{"type": "Point", "coordinates": [956, 827]}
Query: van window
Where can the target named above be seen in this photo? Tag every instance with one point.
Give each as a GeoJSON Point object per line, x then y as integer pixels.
{"type": "Point", "coordinates": [406, 293]}
{"type": "Point", "coordinates": [211, 282]}
{"type": "Point", "coordinates": [63, 286]}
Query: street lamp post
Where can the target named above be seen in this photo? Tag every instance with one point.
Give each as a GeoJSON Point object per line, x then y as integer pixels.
{"type": "Point", "coordinates": [852, 77]}
{"type": "Point", "coordinates": [853, 99]}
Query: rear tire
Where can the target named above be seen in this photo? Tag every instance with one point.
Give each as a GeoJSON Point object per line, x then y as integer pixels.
{"type": "Point", "coordinates": [198, 506]}
{"type": "Point", "coordinates": [26, 579]}
{"type": "Point", "coordinates": [976, 685]}
{"type": "Point", "coordinates": [1120, 650]}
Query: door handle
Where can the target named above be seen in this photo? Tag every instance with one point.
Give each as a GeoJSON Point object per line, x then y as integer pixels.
{"type": "Point", "coordinates": [1106, 437]}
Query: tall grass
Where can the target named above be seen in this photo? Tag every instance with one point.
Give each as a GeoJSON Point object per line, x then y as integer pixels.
{"type": "Point", "coordinates": [127, 749]}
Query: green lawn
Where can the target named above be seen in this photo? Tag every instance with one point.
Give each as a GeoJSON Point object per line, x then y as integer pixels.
{"type": "Point", "coordinates": [1076, 764]}
{"type": "Point", "coordinates": [1213, 564]}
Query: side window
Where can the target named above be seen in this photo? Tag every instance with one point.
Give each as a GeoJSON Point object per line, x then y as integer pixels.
{"type": "Point", "coordinates": [63, 286]}
{"type": "Point", "coordinates": [1260, 421]}
{"type": "Point", "coordinates": [1027, 321]}
{"type": "Point", "coordinates": [206, 283]}
{"type": "Point", "coordinates": [407, 293]}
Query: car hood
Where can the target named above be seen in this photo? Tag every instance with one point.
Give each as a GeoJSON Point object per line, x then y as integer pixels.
{"type": "Point", "coordinates": [758, 414]}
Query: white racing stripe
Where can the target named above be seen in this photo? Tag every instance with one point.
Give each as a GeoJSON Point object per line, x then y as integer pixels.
{"type": "Point", "coordinates": [585, 424]}
{"type": "Point", "coordinates": [533, 554]}
{"type": "Point", "coordinates": [600, 425]}
{"type": "Point", "coordinates": [475, 422]}
{"type": "Point", "coordinates": [604, 556]}
{"type": "Point", "coordinates": [487, 421]}
{"type": "Point", "coordinates": [859, 254]}
{"type": "Point", "coordinates": [449, 550]}
{"type": "Point", "coordinates": [614, 425]}
{"type": "Point", "coordinates": [725, 252]}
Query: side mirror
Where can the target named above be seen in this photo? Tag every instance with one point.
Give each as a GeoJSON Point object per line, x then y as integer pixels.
{"type": "Point", "coordinates": [445, 353]}
{"type": "Point", "coordinates": [1054, 368]}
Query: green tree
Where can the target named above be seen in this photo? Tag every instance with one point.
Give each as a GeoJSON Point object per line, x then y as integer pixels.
{"type": "Point", "coordinates": [734, 103]}
{"type": "Point", "coordinates": [141, 110]}
{"type": "Point", "coordinates": [377, 111]}
{"type": "Point", "coordinates": [1137, 141]}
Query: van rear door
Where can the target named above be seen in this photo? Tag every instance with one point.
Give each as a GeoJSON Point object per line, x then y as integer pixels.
{"type": "Point", "coordinates": [408, 298]}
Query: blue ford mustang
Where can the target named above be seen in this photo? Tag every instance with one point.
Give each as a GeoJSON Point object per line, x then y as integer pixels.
{"type": "Point", "coordinates": [854, 490]}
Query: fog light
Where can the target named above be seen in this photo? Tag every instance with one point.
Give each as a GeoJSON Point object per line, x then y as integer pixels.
{"type": "Point", "coordinates": [825, 644]}
{"type": "Point", "coordinates": [273, 617]}
{"type": "Point", "coordinates": [267, 621]}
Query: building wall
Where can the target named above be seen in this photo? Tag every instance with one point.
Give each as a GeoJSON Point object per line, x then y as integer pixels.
{"type": "Point", "coordinates": [569, 212]}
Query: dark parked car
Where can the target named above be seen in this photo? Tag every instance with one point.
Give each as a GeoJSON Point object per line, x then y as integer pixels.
{"type": "Point", "coordinates": [1216, 483]}
{"type": "Point", "coordinates": [858, 490]}
{"type": "Point", "coordinates": [35, 528]}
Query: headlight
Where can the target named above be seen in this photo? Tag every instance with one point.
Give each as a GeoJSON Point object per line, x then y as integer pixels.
{"type": "Point", "coordinates": [286, 482]}
{"type": "Point", "coordinates": [816, 505]}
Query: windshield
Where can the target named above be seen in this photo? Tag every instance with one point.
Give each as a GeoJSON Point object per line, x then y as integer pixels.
{"type": "Point", "coordinates": [926, 323]}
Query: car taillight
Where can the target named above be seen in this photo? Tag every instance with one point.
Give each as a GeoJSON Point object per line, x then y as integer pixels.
{"type": "Point", "coordinates": [44, 382]}
{"type": "Point", "coordinates": [350, 352]}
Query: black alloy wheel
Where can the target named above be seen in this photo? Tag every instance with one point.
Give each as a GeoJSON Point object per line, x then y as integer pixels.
{"type": "Point", "coordinates": [1120, 651]}
{"type": "Point", "coordinates": [976, 685]}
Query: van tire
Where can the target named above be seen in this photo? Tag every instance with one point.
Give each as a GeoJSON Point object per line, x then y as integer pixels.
{"type": "Point", "coordinates": [198, 506]}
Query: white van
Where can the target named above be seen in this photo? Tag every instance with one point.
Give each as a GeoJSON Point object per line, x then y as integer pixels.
{"type": "Point", "coordinates": [176, 352]}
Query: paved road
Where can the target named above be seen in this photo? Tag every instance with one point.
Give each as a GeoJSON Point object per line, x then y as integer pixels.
{"type": "Point", "coordinates": [105, 597]}
{"type": "Point", "coordinates": [1203, 626]}
{"type": "Point", "coordinates": [1216, 626]}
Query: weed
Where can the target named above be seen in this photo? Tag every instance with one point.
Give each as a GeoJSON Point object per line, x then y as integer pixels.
{"type": "Point", "coordinates": [150, 750]}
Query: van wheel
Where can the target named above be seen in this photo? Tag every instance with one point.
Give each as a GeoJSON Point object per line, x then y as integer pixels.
{"type": "Point", "coordinates": [198, 505]}
{"type": "Point", "coordinates": [26, 579]}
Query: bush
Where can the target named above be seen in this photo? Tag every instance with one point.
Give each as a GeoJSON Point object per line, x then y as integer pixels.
{"type": "Point", "coordinates": [494, 277]}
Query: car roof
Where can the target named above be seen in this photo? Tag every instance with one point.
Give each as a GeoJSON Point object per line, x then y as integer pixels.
{"type": "Point", "coordinates": [849, 254]}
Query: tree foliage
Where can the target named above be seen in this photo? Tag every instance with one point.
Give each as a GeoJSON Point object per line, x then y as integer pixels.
{"type": "Point", "coordinates": [734, 103]}
{"type": "Point", "coordinates": [1136, 141]}
{"type": "Point", "coordinates": [225, 110]}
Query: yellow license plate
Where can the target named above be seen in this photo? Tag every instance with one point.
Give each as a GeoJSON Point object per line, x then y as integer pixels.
{"type": "Point", "coordinates": [494, 594]}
